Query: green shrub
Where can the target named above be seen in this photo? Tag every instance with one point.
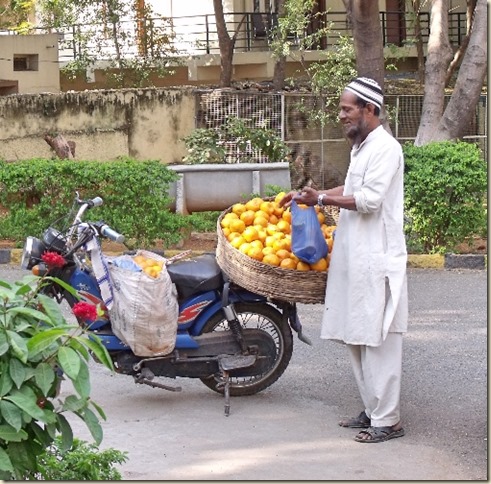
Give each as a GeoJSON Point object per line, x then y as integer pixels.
{"type": "Point", "coordinates": [208, 145]}
{"type": "Point", "coordinates": [82, 462]}
{"type": "Point", "coordinates": [35, 343]}
{"type": "Point", "coordinates": [35, 193]}
{"type": "Point", "coordinates": [445, 190]}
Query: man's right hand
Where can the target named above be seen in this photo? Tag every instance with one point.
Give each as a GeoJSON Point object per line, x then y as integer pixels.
{"type": "Point", "coordinates": [308, 196]}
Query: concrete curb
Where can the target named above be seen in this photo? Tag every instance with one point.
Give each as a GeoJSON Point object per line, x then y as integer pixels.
{"type": "Point", "coordinates": [415, 261]}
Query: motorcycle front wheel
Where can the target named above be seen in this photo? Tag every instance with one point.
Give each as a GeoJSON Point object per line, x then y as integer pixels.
{"type": "Point", "coordinates": [262, 317]}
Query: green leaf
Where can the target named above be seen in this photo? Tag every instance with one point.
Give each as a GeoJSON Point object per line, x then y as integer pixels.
{"type": "Point", "coordinates": [6, 294]}
{"type": "Point", "coordinates": [44, 376]}
{"type": "Point", "coordinates": [74, 404]}
{"type": "Point", "coordinates": [79, 348]}
{"type": "Point", "coordinates": [69, 361]}
{"type": "Point", "coordinates": [18, 345]}
{"type": "Point", "coordinates": [66, 432]}
{"type": "Point", "coordinates": [6, 382]}
{"type": "Point", "coordinates": [41, 341]}
{"type": "Point", "coordinates": [33, 313]}
{"type": "Point", "coordinates": [95, 345]}
{"type": "Point", "coordinates": [52, 309]}
{"type": "Point", "coordinates": [4, 345]}
{"type": "Point", "coordinates": [99, 409]}
{"type": "Point", "coordinates": [64, 285]}
{"type": "Point", "coordinates": [17, 372]}
{"type": "Point", "coordinates": [82, 382]}
{"type": "Point", "coordinates": [11, 413]}
{"type": "Point", "coordinates": [9, 434]}
{"type": "Point", "coordinates": [41, 434]}
{"type": "Point", "coordinates": [5, 462]}
{"type": "Point", "coordinates": [93, 425]}
{"type": "Point", "coordinates": [26, 401]}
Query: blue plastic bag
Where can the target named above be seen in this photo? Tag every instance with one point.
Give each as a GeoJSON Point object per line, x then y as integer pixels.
{"type": "Point", "coordinates": [308, 242]}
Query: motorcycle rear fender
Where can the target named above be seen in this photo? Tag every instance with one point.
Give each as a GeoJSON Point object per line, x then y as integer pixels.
{"type": "Point", "coordinates": [241, 295]}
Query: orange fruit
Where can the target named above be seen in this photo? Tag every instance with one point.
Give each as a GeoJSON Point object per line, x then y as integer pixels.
{"type": "Point", "coordinates": [282, 253]}
{"type": "Point", "coordinates": [321, 217]}
{"type": "Point", "coordinates": [284, 226]}
{"type": "Point", "coordinates": [228, 217]}
{"type": "Point", "coordinates": [250, 234]}
{"type": "Point", "coordinates": [288, 264]}
{"type": "Point", "coordinates": [271, 259]}
{"type": "Point", "coordinates": [279, 197]}
{"type": "Point", "coordinates": [287, 215]}
{"type": "Point", "coordinates": [302, 266]}
{"type": "Point", "coordinates": [237, 226]}
{"type": "Point", "coordinates": [262, 234]}
{"type": "Point", "coordinates": [268, 250]}
{"type": "Point", "coordinates": [231, 236]}
{"type": "Point", "coordinates": [248, 217]}
{"type": "Point", "coordinates": [244, 248]}
{"type": "Point", "coordinates": [320, 265]}
{"type": "Point", "coordinates": [238, 208]}
{"type": "Point", "coordinates": [237, 241]}
{"type": "Point", "coordinates": [255, 253]}
{"type": "Point", "coordinates": [278, 235]}
{"type": "Point", "coordinates": [273, 219]}
{"type": "Point", "coordinates": [271, 229]}
{"type": "Point", "coordinates": [267, 207]}
{"type": "Point", "coordinates": [254, 204]}
{"type": "Point", "coordinates": [281, 244]}
{"type": "Point", "coordinates": [263, 222]}
{"type": "Point", "coordinates": [139, 259]}
{"type": "Point", "coordinates": [269, 241]}
{"type": "Point", "coordinates": [226, 231]}
{"type": "Point", "coordinates": [257, 243]}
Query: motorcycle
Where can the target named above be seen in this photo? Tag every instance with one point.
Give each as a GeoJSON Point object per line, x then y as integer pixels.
{"type": "Point", "coordinates": [235, 341]}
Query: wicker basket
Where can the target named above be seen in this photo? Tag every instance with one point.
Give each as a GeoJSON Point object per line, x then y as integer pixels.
{"type": "Point", "coordinates": [284, 284]}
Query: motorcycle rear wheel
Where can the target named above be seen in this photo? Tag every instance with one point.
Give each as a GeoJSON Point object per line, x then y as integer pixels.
{"type": "Point", "coordinates": [261, 317]}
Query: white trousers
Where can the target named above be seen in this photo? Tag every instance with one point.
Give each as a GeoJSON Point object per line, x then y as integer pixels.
{"type": "Point", "coordinates": [378, 372]}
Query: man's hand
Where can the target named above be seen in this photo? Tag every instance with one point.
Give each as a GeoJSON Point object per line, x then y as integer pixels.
{"type": "Point", "coordinates": [308, 196]}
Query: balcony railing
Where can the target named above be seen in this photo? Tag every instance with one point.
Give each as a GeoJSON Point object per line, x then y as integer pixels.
{"type": "Point", "coordinates": [197, 35]}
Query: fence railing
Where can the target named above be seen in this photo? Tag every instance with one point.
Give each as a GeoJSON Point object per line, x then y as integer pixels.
{"type": "Point", "coordinates": [320, 151]}
{"type": "Point", "coordinates": [197, 34]}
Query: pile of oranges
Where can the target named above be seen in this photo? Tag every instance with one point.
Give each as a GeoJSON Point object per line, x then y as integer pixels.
{"type": "Point", "coordinates": [261, 229]}
{"type": "Point", "coordinates": [150, 266]}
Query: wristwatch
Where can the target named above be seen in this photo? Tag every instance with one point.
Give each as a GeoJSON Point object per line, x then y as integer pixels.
{"type": "Point", "coordinates": [319, 200]}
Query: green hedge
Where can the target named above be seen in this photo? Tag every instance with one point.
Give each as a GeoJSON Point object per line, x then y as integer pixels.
{"type": "Point", "coordinates": [445, 195]}
{"type": "Point", "coordinates": [37, 193]}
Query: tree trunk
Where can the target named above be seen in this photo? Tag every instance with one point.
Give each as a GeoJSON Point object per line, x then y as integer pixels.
{"type": "Point", "coordinates": [437, 60]}
{"type": "Point", "coordinates": [459, 55]}
{"type": "Point", "coordinates": [470, 79]}
{"type": "Point", "coordinates": [279, 66]}
{"type": "Point", "coordinates": [64, 149]}
{"type": "Point", "coordinates": [226, 45]}
{"type": "Point", "coordinates": [368, 40]}
{"type": "Point", "coordinates": [416, 4]}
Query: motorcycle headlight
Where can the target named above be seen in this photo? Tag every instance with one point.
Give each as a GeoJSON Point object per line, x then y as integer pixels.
{"type": "Point", "coordinates": [31, 253]}
{"type": "Point", "coordinates": [54, 240]}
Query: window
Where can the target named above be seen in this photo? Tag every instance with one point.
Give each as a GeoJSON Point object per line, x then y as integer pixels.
{"type": "Point", "coordinates": [26, 62]}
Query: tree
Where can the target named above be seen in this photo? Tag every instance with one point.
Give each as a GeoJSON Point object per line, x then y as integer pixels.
{"type": "Point", "coordinates": [226, 44]}
{"type": "Point", "coordinates": [367, 37]}
{"type": "Point", "coordinates": [133, 41]}
{"type": "Point", "coordinates": [437, 123]}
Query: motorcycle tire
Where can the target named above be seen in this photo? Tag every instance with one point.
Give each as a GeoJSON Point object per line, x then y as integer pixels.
{"type": "Point", "coordinates": [261, 317]}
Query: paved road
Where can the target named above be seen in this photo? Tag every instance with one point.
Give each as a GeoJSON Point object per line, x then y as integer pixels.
{"type": "Point", "coordinates": [290, 432]}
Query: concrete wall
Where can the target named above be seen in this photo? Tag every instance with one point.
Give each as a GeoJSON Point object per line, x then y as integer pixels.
{"type": "Point", "coordinates": [37, 56]}
{"type": "Point", "coordinates": [142, 123]}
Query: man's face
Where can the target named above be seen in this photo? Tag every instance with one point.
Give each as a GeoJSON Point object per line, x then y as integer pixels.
{"type": "Point", "coordinates": [352, 117]}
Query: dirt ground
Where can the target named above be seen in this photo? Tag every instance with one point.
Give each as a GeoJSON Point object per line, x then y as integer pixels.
{"type": "Point", "coordinates": [207, 241]}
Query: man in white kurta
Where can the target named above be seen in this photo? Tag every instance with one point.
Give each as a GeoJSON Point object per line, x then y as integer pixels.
{"type": "Point", "coordinates": [366, 303]}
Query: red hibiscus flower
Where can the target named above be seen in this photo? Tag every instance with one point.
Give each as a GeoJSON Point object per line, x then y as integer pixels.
{"type": "Point", "coordinates": [85, 311]}
{"type": "Point", "coordinates": [52, 259]}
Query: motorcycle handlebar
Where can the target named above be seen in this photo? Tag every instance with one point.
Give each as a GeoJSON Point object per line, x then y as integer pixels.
{"type": "Point", "coordinates": [108, 232]}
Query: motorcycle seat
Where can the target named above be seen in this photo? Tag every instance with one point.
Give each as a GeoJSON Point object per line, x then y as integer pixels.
{"type": "Point", "coordinates": [199, 274]}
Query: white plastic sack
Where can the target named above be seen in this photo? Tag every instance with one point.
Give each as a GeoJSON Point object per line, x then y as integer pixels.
{"type": "Point", "coordinates": [145, 309]}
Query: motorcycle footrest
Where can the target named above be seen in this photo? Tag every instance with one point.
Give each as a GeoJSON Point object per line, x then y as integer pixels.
{"type": "Point", "coordinates": [228, 363]}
